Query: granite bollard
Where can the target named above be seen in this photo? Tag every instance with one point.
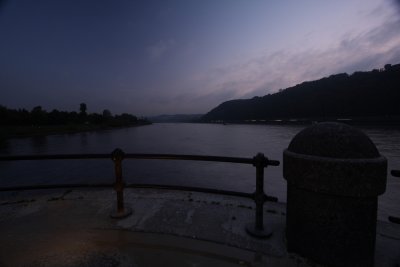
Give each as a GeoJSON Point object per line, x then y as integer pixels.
{"type": "Point", "coordinates": [334, 175]}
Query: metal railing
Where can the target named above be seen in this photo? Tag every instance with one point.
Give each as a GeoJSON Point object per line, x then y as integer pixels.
{"type": "Point", "coordinates": [259, 161]}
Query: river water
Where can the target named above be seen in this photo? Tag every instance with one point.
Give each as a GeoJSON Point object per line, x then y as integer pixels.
{"type": "Point", "coordinates": [198, 139]}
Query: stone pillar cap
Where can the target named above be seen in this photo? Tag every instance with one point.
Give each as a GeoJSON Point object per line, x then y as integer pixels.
{"type": "Point", "coordinates": [335, 158]}
{"type": "Point", "coordinates": [333, 140]}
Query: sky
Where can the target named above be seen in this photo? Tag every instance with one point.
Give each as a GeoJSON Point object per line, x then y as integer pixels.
{"type": "Point", "coordinates": [183, 56]}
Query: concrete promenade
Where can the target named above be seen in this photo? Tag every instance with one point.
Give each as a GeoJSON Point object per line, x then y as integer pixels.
{"type": "Point", "coordinates": [167, 228]}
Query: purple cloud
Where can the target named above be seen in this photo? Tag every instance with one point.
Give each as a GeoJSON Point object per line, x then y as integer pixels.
{"type": "Point", "coordinates": [270, 72]}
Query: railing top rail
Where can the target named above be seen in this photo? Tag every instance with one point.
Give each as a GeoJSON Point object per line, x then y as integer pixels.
{"type": "Point", "coordinates": [140, 156]}
{"type": "Point", "coordinates": [197, 158]}
{"type": "Point", "coordinates": [55, 156]}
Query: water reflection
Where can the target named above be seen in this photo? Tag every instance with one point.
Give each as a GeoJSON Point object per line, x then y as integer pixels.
{"type": "Point", "coordinates": [83, 140]}
{"type": "Point", "coordinates": [4, 145]}
{"type": "Point", "coordinates": [38, 144]}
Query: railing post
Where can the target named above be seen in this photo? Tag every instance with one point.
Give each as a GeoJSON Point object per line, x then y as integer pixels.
{"type": "Point", "coordinates": [257, 229]}
{"type": "Point", "coordinates": [117, 156]}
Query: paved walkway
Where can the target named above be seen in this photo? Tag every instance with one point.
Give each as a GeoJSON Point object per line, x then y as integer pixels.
{"type": "Point", "coordinates": [167, 228]}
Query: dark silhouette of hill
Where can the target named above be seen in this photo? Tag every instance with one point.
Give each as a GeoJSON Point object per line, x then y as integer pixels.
{"type": "Point", "coordinates": [374, 93]}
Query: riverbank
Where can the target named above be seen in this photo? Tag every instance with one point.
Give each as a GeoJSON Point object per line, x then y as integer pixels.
{"type": "Point", "coordinates": [389, 121]}
{"type": "Point", "coordinates": [7, 132]}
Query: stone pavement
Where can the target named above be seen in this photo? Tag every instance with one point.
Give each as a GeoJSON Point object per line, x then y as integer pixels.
{"type": "Point", "coordinates": [167, 228]}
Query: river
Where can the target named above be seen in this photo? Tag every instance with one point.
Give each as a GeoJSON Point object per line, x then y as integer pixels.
{"type": "Point", "coordinates": [198, 139]}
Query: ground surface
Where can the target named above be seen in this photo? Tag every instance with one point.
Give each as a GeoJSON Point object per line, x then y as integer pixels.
{"type": "Point", "coordinates": [167, 228]}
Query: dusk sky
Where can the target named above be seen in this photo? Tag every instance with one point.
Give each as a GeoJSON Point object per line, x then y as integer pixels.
{"type": "Point", "coordinates": [169, 57]}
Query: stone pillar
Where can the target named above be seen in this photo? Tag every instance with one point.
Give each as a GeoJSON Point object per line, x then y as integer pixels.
{"type": "Point", "coordinates": [334, 175]}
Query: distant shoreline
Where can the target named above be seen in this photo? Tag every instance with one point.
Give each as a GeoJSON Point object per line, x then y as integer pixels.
{"type": "Point", "coordinates": [9, 132]}
{"type": "Point", "coordinates": [393, 121]}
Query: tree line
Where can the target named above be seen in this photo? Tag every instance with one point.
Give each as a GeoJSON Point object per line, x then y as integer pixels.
{"type": "Point", "coordinates": [40, 117]}
{"type": "Point", "coordinates": [373, 93]}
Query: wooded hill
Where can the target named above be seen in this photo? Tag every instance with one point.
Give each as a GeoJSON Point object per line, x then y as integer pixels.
{"type": "Point", "coordinates": [374, 93]}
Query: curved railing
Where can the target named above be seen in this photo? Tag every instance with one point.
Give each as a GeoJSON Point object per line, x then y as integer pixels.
{"type": "Point", "coordinates": [259, 162]}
